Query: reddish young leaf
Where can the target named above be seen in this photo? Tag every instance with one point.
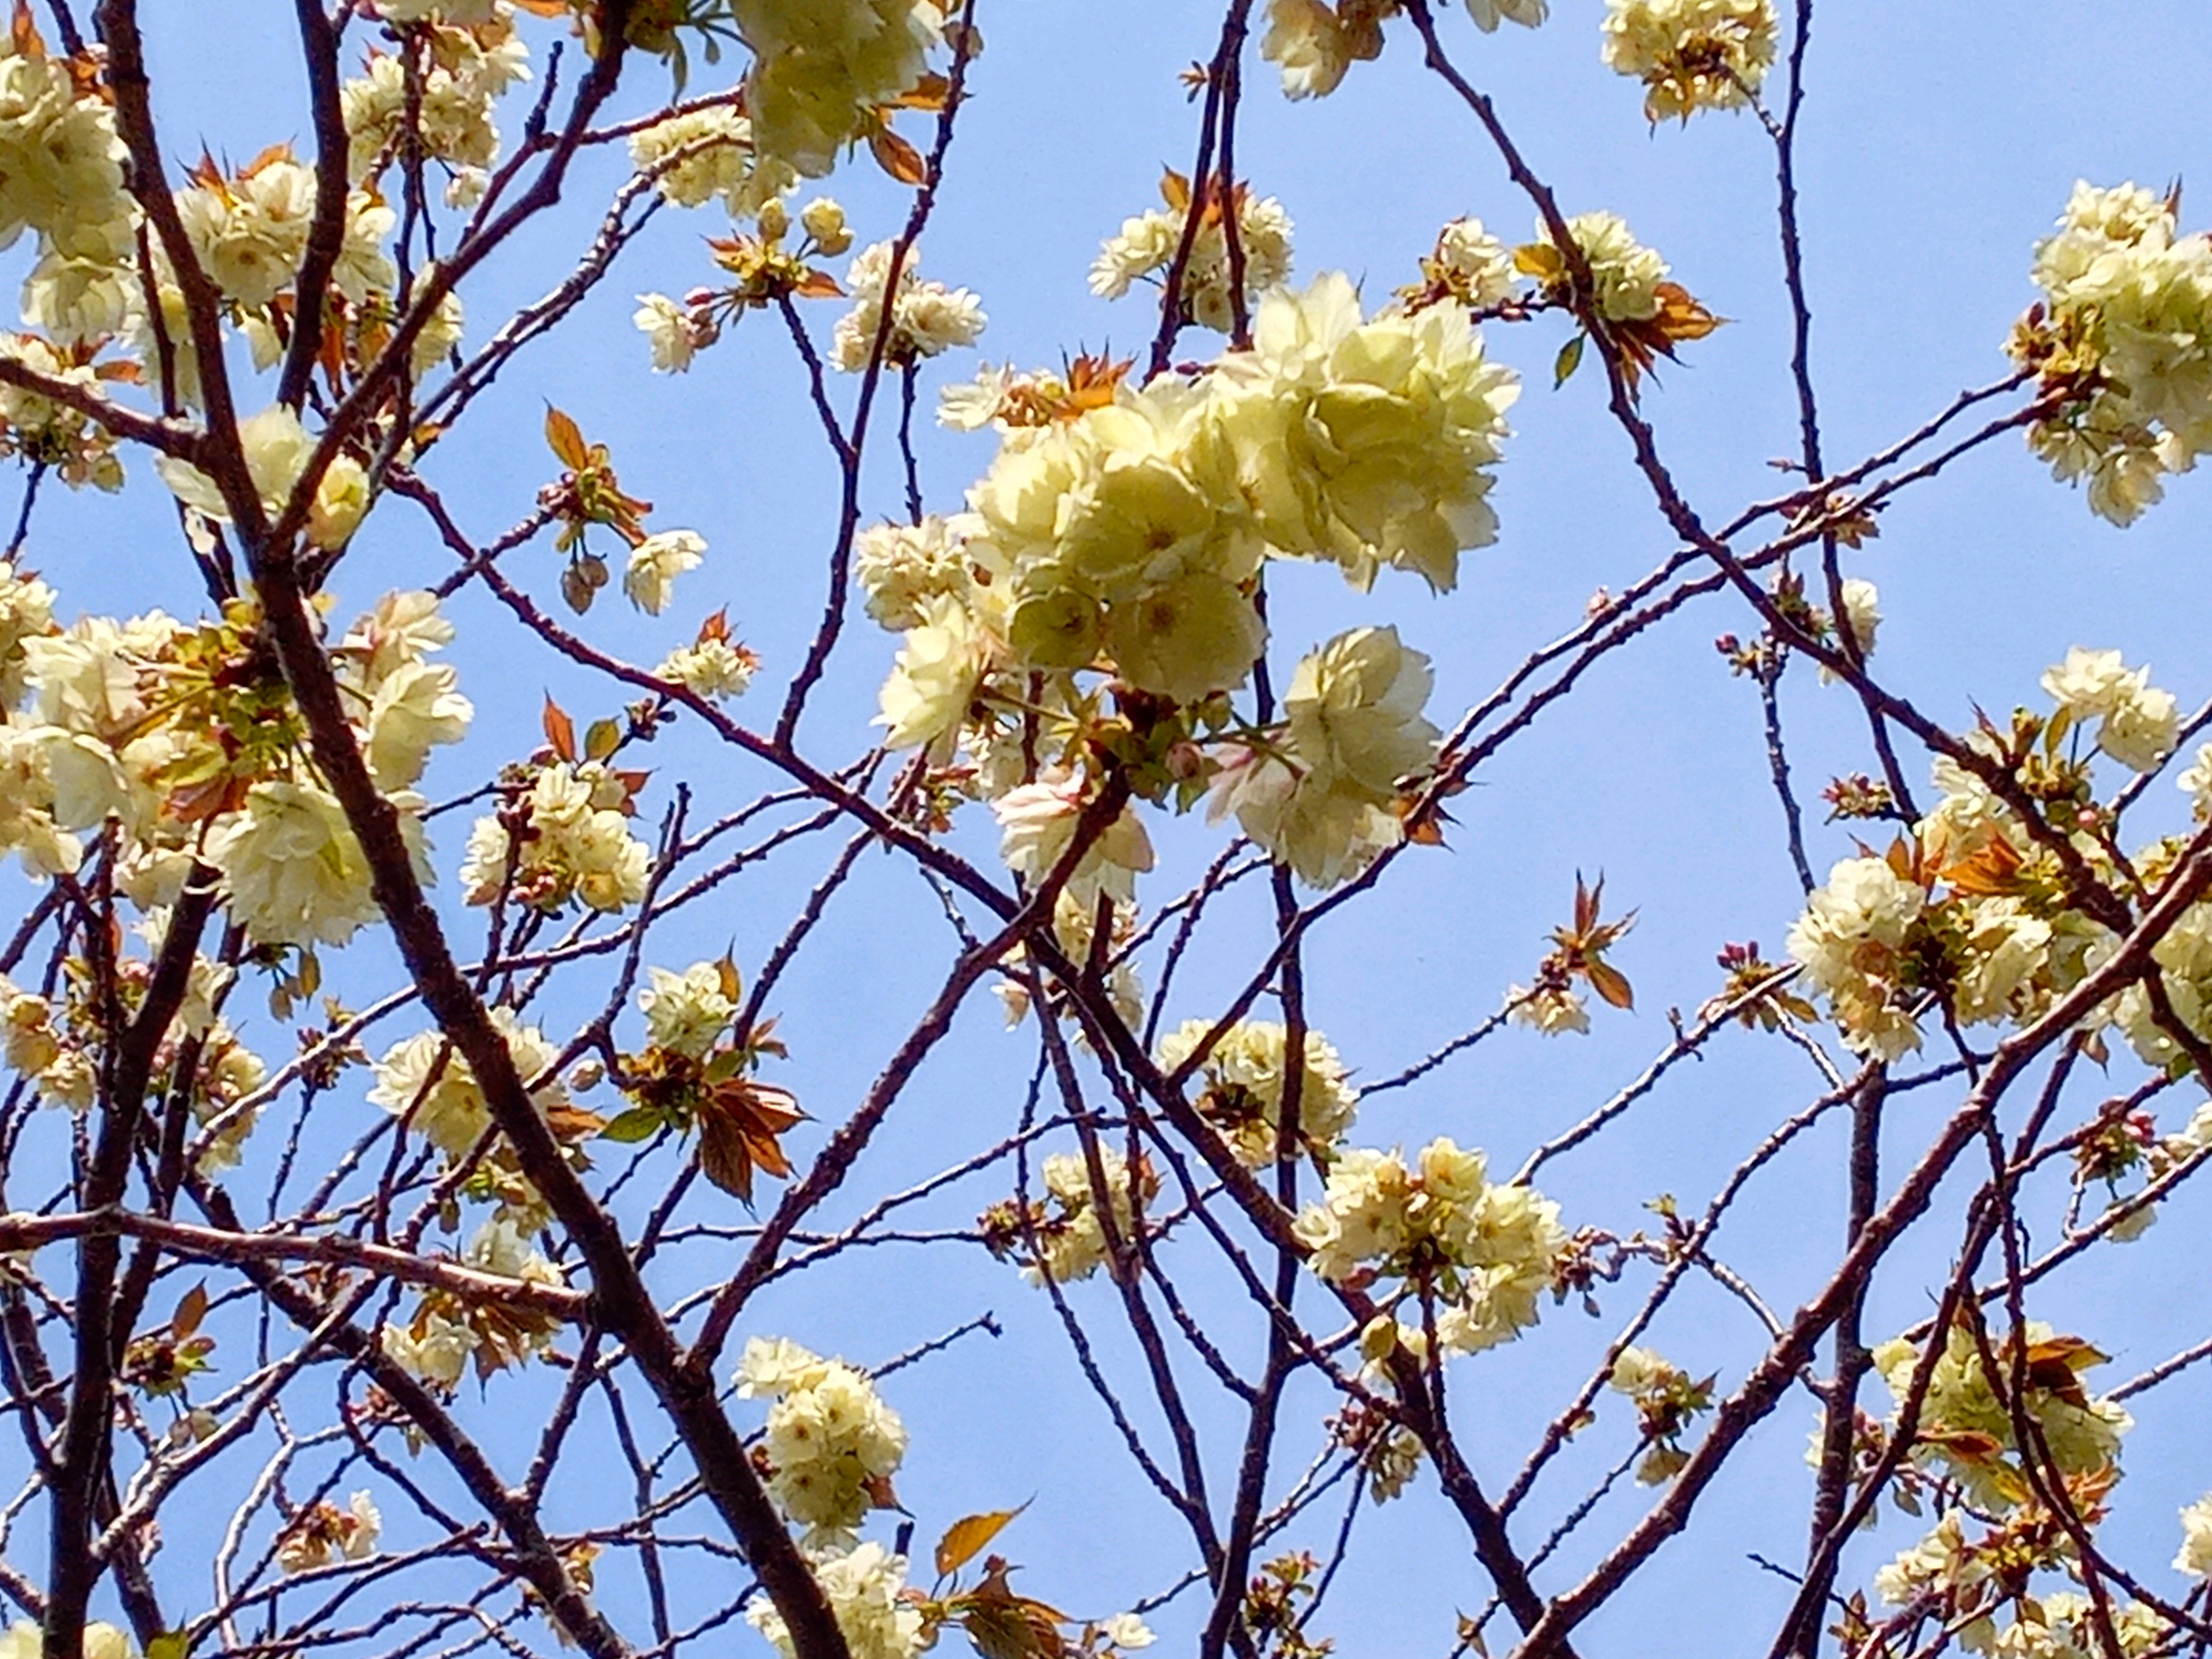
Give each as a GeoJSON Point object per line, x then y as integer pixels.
{"type": "Point", "coordinates": [967, 1536]}
{"type": "Point", "coordinates": [896, 157]}
{"type": "Point", "coordinates": [560, 730]}
{"type": "Point", "coordinates": [566, 439]}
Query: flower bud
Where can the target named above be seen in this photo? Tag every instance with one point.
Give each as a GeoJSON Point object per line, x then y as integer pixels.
{"type": "Point", "coordinates": [1378, 1340]}
{"type": "Point", "coordinates": [824, 221]}
{"type": "Point", "coordinates": [774, 220]}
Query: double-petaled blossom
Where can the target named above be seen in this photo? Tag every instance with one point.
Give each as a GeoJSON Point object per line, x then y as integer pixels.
{"type": "Point", "coordinates": [61, 178]}
{"type": "Point", "coordinates": [899, 566]}
{"type": "Point", "coordinates": [249, 230]}
{"type": "Point", "coordinates": [1469, 266]}
{"type": "Point", "coordinates": [61, 160]}
{"type": "Point", "coordinates": [1079, 1246]}
{"type": "Point", "coordinates": [1313, 42]}
{"type": "Point", "coordinates": [1488, 14]}
{"type": "Point", "coordinates": [405, 704]}
{"type": "Point", "coordinates": [715, 667]}
{"type": "Point", "coordinates": [1861, 619]}
{"type": "Point", "coordinates": [1624, 274]}
{"type": "Point", "coordinates": [229, 1072]}
{"type": "Point", "coordinates": [1148, 244]}
{"type": "Point", "coordinates": [1064, 1238]}
{"type": "Point", "coordinates": [579, 845]}
{"type": "Point", "coordinates": [22, 1640]}
{"type": "Point", "coordinates": [687, 1012]}
{"type": "Point", "coordinates": [2138, 723]}
{"type": "Point", "coordinates": [278, 449]}
{"type": "Point", "coordinates": [926, 318]}
{"type": "Point", "coordinates": [1969, 1581]}
{"type": "Point", "coordinates": [323, 1533]}
{"type": "Point", "coordinates": [1123, 536]}
{"type": "Point", "coordinates": [1366, 442]}
{"type": "Point", "coordinates": [292, 871]}
{"type": "Point", "coordinates": [1966, 1425]}
{"type": "Point", "coordinates": [935, 677]}
{"type": "Point", "coordinates": [26, 612]}
{"type": "Point", "coordinates": [1322, 800]}
{"type": "Point", "coordinates": [702, 153]}
{"type": "Point", "coordinates": [2184, 956]}
{"type": "Point", "coordinates": [674, 337]}
{"type": "Point", "coordinates": [2123, 343]}
{"type": "Point", "coordinates": [1038, 823]}
{"type": "Point", "coordinates": [655, 563]}
{"type": "Point", "coordinates": [35, 425]}
{"type": "Point", "coordinates": [1853, 942]}
{"type": "Point", "coordinates": [445, 1335]}
{"type": "Point", "coordinates": [1074, 925]}
{"type": "Point", "coordinates": [832, 1444]}
{"type": "Point", "coordinates": [1690, 54]}
{"type": "Point", "coordinates": [2195, 1555]}
{"type": "Point", "coordinates": [1243, 1079]}
{"type": "Point", "coordinates": [428, 1084]}
{"type": "Point", "coordinates": [866, 1589]}
{"type": "Point", "coordinates": [1552, 1009]}
{"type": "Point", "coordinates": [448, 109]}
{"type": "Point", "coordinates": [1120, 532]}
{"type": "Point", "coordinates": [1666, 1400]}
{"type": "Point", "coordinates": [1487, 1251]}
{"type": "Point", "coordinates": [27, 1039]}
{"type": "Point", "coordinates": [823, 68]}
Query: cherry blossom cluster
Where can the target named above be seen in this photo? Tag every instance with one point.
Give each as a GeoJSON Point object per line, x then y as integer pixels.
{"type": "Point", "coordinates": [2120, 344]}
{"type": "Point", "coordinates": [1473, 1255]}
{"type": "Point", "coordinates": [1973, 916]}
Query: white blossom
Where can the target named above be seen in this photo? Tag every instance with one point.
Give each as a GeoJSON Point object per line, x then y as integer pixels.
{"type": "Point", "coordinates": [656, 562]}
{"type": "Point", "coordinates": [926, 319]}
{"type": "Point", "coordinates": [830, 1436]}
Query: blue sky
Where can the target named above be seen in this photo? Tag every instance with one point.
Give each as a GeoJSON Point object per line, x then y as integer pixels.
{"type": "Point", "coordinates": [1938, 143]}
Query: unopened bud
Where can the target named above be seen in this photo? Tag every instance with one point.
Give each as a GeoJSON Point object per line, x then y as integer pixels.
{"type": "Point", "coordinates": [1378, 1340]}
{"type": "Point", "coordinates": [825, 222]}
{"type": "Point", "coordinates": [774, 220]}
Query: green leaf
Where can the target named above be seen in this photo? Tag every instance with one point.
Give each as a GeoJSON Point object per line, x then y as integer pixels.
{"type": "Point", "coordinates": [638, 1123]}
{"type": "Point", "coordinates": [169, 1644]}
{"type": "Point", "coordinates": [601, 740]}
{"type": "Point", "coordinates": [1569, 360]}
{"type": "Point", "coordinates": [199, 766]}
